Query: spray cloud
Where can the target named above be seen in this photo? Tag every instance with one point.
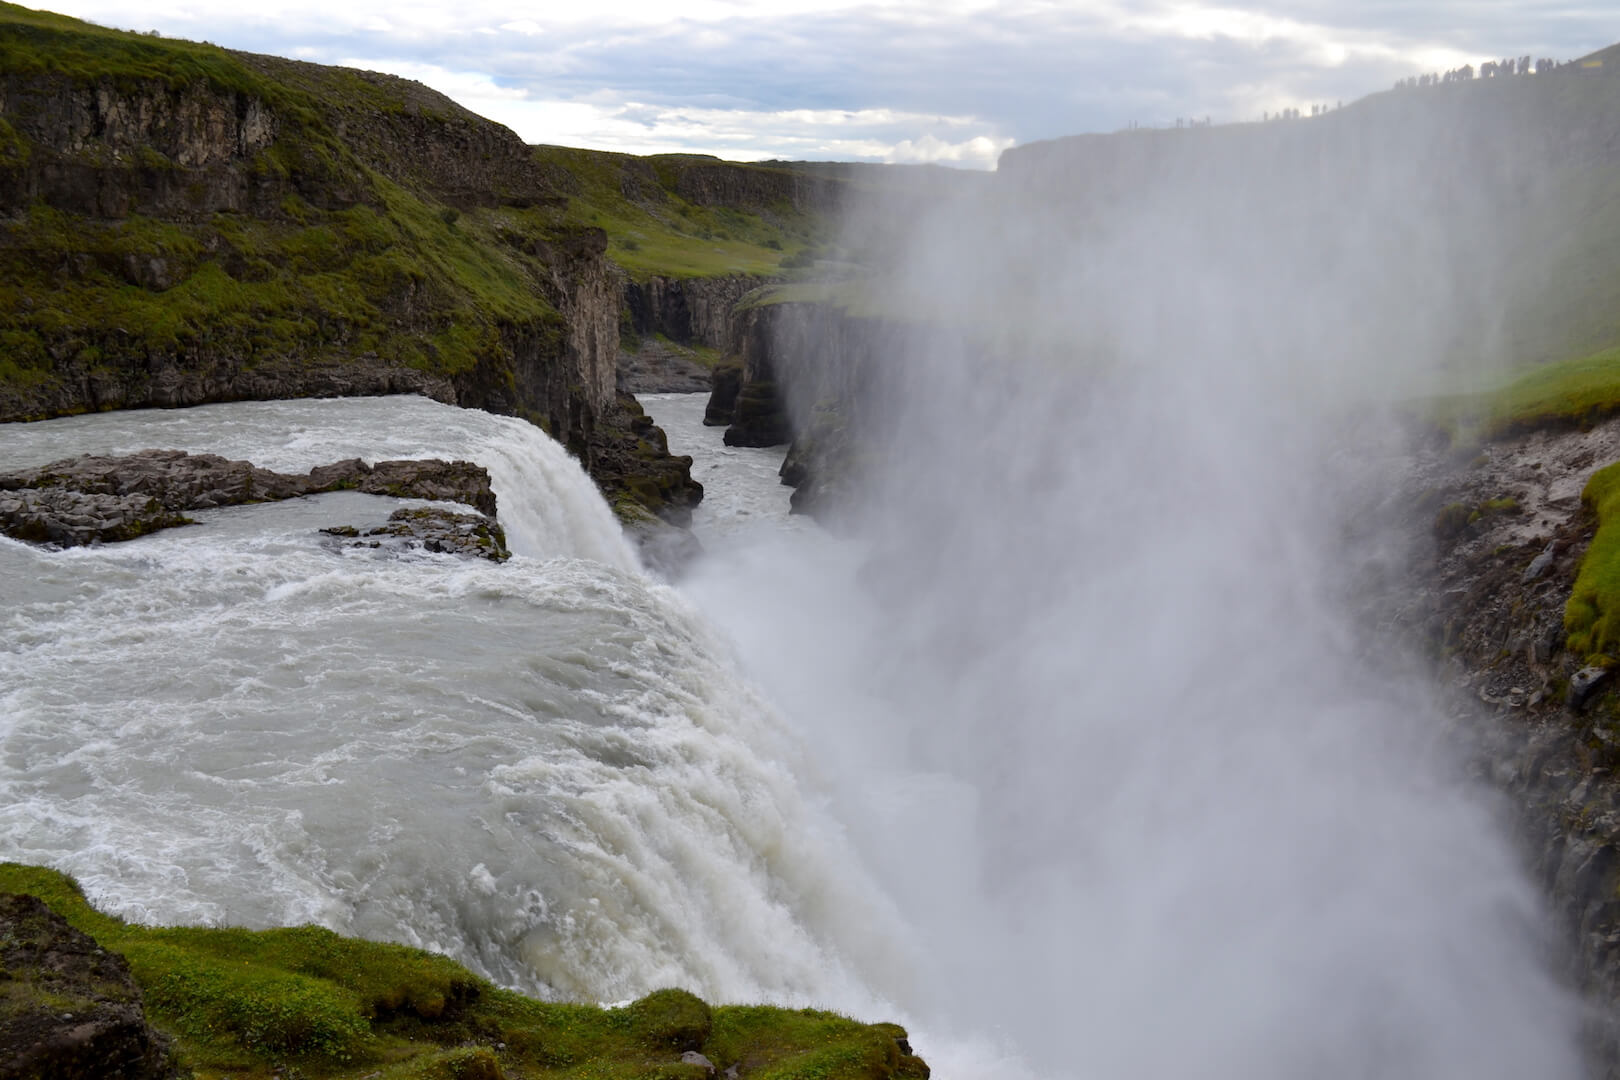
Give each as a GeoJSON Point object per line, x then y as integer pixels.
{"type": "Point", "coordinates": [1098, 705]}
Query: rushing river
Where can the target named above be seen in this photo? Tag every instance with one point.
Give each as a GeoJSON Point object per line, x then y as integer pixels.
{"type": "Point", "coordinates": [766, 783]}
{"type": "Point", "coordinates": [549, 769]}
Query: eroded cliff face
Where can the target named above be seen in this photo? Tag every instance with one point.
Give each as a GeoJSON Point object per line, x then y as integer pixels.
{"type": "Point", "coordinates": [269, 229]}
{"type": "Point", "coordinates": [1494, 537]}
{"type": "Point", "coordinates": [418, 137]}
{"type": "Point", "coordinates": [811, 375]}
{"type": "Point", "coordinates": [691, 311]}
{"type": "Point", "coordinates": [722, 184]}
{"type": "Point", "coordinates": [107, 151]}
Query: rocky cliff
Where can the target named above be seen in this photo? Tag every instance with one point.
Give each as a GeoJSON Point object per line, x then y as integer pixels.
{"type": "Point", "coordinates": [182, 224]}
{"type": "Point", "coordinates": [1494, 537]}
{"type": "Point", "coordinates": [811, 374]}
{"type": "Point", "coordinates": [719, 183]}
{"type": "Point", "coordinates": [691, 311]}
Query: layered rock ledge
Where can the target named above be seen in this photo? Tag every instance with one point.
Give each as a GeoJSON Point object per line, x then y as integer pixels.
{"type": "Point", "coordinates": [108, 498]}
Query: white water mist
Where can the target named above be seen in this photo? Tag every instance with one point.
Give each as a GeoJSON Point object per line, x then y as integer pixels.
{"type": "Point", "coordinates": [1097, 708]}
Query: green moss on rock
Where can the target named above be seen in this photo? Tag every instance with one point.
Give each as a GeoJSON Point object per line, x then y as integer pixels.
{"type": "Point", "coordinates": [1592, 614]}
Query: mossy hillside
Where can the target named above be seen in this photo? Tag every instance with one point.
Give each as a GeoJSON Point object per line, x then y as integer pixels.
{"type": "Point", "coordinates": [398, 281]}
{"type": "Point", "coordinates": [42, 43]}
{"type": "Point", "coordinates": [1592, 614]}
{"type": "Point", "coordinates": [652, 231]}
{"type": "Point", "coordinates": [305, 1001]}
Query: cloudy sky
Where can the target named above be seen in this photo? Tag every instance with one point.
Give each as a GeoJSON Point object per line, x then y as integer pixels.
{"type": "Point", "coordinates": [949, 81]}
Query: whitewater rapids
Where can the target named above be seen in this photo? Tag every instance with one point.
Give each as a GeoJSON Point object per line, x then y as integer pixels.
{"type": "Point", "coordinates": [549, 770]}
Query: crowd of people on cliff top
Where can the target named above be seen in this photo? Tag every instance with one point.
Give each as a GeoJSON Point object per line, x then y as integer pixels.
{"type": "Point", "coordinates": [1490, 69]}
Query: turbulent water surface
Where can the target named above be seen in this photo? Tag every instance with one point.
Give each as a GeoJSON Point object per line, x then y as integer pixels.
{"type": "Point", "coordinates": [973, 783]}
{"type": "Point", "coordinates": [548, 768]}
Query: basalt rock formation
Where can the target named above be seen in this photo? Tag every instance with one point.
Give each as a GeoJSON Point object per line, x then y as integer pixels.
{"type": "Point", "coordinates": [690, 311]}
{"type": "Point", "coordinates": [673, 323]}
{"type": "Point", "coordinates": [811, 375]}
{"type": "Point", "coordinates": [103, 499]}
{"type": "Point", "coordinates": [431, 528]}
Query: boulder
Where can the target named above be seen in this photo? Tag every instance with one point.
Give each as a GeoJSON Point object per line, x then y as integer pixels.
{"type": "Point", "coordinates": [429, 528]}
{"type": "Point", "coordinates": [692, 1057]}
{"type": "Point", "coordinates": [69, 1009]}
{"type": "Point", "coordinates": [1541, 563]}
{"type": "Point", "coordinates": [1583, 682]}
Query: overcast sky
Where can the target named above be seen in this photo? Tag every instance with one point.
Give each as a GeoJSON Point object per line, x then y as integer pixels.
{"type": "Point", "coordinates": [950, 81]}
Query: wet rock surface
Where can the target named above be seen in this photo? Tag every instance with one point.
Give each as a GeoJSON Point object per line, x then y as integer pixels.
{"type": "Point", "coordinates": [1496, 535]}
{"type": "Point", "coordinates": [69, 1009]}
{"type": "Point", "coordinates": [631, 463]}
{"type": "Point", "coordinates": [725, 385]}
{"type": "Point", "coordinates": [71, 518]}
{"type": "Point", "coordinates": [432, 529]}
{"type": "Point", "coordinates": [107, 498]}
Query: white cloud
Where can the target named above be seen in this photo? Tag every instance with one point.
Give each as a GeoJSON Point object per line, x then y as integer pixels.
{"type": "Point", "coordinates": [979, 152]}
{"type": "Point", "coordinates": [885, 80]}
{"type": "Point", "coordinates": [607, 123]}
{"type": "Point", "coordinates": [470, 88]}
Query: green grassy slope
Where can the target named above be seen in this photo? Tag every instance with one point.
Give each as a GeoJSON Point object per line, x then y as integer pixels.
{"type": "Point", "coordinates": [306, 1002]}
{"type": "Point", "coordinates": [312, 284]}
{"type": "Point", "coordinates": [1568, 393]}
{"type": "Point", "coordinates": [40, 42]}
{"type": "Point", "coordinates": [653, 230]}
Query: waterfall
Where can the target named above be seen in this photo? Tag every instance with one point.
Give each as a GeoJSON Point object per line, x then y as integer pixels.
{"type": "Point", "coordinates": [549, 769]}
{"type": "Point", "coordinates": [1067, 785]}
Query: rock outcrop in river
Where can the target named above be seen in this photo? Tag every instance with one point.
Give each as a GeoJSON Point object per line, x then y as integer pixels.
{"type": "Point", "coordinates": [107, 498]}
